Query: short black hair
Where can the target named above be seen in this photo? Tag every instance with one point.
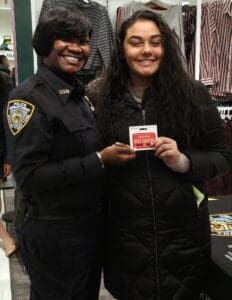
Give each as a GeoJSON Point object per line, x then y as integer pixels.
{"type": "Point", "coordinates": [59, 23]}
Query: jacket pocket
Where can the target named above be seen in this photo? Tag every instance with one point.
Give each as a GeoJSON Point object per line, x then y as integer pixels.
{"type": "Point", "coordinates": [83, 134]}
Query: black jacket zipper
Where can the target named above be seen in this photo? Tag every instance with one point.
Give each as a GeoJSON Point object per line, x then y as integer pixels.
{"type": "Point", "coordinates": [153, 212]}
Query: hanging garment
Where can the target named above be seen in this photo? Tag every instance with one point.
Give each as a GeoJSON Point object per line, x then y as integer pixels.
{"type": "Point", "coordinates": [216, 50]}
{"type": "Point", "coordinates": [189, 20]}
{"type": "Point", "coordinates": [209, 56]}
{"type": "Point", "coordinates": [223, 21]}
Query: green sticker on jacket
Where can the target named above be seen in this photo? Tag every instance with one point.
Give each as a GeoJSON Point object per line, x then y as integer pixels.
{"type": "Point", "coordinates": [199, 196]}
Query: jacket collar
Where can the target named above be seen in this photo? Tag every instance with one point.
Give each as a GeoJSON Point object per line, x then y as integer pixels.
{"type": "Point", "coordinates": [129, 100]}
{"type": "Point", "coordinates": [63, 89]}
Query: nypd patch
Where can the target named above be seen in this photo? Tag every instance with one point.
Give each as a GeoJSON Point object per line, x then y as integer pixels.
{"type": "Point", "coordinates": [19, 113]}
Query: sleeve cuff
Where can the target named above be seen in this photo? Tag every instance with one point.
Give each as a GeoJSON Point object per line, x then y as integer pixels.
{"type": "Point", "coordinates": [100, 158]}
{"type": "Point", "coordinates": [182, 165]}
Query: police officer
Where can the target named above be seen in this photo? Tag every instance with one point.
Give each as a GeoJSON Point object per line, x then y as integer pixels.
{"type": "Point", "coordinates": [58, 161]}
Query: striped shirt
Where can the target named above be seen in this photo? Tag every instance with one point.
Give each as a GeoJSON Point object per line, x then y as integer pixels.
{"type": "Point", "coordinates": [216, 48]}
{"type": "Point", "coordinates": [209, 58]}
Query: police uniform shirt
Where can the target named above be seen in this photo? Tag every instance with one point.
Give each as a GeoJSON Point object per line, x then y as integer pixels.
{"type": "Point", "coordinates": [54, 141]}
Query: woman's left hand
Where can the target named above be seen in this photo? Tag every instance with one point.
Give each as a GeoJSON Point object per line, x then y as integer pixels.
{"type": "Point", "coordinates": [167, 150]}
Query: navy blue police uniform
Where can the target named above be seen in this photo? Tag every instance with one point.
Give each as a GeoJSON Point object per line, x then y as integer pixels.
{"type": "Point", "coordinates": [54, 139]}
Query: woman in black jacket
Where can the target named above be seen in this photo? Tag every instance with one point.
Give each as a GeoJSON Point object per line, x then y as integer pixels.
{"type": "Point", "coordinates": [158, 233]}
{"type": "Point", "coordinates": [5, 168]}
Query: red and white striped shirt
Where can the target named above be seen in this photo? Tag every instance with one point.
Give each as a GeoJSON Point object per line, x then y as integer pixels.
{"type": "Point", "coordinates": [216, 48]}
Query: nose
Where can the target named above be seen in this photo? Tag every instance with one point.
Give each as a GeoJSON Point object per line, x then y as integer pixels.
{"type": "Point", "coordinates": [147, 48]}
{"type": "Point", "coordinates": [74, 47]}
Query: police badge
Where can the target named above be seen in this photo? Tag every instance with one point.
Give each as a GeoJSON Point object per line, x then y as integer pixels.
{"type": "Point", "coordinates": [19, 113]}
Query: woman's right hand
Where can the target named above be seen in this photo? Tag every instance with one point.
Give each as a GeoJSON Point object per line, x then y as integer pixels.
{"type": "Point", "coordinates": [117, 154]}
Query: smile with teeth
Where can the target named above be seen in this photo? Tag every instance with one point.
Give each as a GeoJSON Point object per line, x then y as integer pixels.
{"type": "Point", "coordinates": [145, 62]}
{"type": "Point", "coordinates": [72, 58]}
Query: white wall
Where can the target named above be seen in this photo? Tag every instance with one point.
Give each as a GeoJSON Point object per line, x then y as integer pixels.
{"type": "Point", "coordinates": [5, 24]}
{"type": "Point", "coordinates": [6, 29]}
{"type": "Point", "coordinates": [35, 11]}
{"type": "Point", "coordinates": [5, 19]}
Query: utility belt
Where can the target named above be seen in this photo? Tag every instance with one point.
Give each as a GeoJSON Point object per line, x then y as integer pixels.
{"type": "Point", "coordinates": [34, 213]}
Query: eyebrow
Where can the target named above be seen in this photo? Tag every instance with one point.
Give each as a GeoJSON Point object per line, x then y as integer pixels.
{"type": "Point", "coordinates": [139, 37]}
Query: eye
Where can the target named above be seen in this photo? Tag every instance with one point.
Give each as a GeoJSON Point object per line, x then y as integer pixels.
{"type": "Point", "coordinates": [156, 43]}
{"type": "Point", "coordinates": [135, 43]}
{"type": "Point", "coordinates": [83, 42]}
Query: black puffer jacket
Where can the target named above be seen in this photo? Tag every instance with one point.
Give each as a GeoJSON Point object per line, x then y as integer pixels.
{"type": "Point", "coordinates": [158, 239]}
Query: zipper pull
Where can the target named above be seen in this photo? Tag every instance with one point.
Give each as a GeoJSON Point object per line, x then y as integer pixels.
{"type": "Point", "coordinates": [143, 114]}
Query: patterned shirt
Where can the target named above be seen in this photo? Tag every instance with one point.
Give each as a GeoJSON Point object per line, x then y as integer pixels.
{"type": "Point", "coordinates": [216, 48]}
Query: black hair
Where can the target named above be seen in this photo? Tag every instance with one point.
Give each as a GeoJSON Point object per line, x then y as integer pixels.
{"type": "Point", "coordinates": [59, 23]}
{"type": "Point", "coordinates": [172, 89]}
{"type": "Point", "coordinates": [2, 58]}
{"type": "Point", "coordinates": [2, 84]}
{"type": "Point", "coordinates": [5, 86]}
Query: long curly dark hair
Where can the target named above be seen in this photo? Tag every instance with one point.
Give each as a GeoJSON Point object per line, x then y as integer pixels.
{"type": "Point", "coordinates": [172, 89]}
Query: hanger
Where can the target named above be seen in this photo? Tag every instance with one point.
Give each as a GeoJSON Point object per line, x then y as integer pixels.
{"type": "Point", "coordinates": [86, 1]}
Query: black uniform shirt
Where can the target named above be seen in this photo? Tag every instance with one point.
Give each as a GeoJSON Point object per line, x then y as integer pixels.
{"type": "Point", "coordinates": [54, 140]}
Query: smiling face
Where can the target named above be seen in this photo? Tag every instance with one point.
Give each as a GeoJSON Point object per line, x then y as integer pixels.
{"type": "Point", "coordinates": [68, 56]}
{"type": "Point", "coordinates": [143, 51]}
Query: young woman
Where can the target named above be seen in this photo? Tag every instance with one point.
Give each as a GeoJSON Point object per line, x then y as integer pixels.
{"type": "Point", "coordinates": [158, 233]}
{"type": "Point", "coordinates": [58, 162]}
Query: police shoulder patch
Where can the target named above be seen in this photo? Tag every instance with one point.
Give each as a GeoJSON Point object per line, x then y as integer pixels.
{"type": "Point", "coordinates": [19, 113]}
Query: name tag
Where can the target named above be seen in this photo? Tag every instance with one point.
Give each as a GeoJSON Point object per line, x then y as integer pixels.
{"type": "Point", "coordinates": [142, 137]}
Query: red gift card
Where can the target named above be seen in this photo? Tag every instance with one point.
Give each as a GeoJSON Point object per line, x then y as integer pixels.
{"type": "Point", "coordinates": [142, 137]}
{"type": "Point", "coordinates": [143, 140]}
